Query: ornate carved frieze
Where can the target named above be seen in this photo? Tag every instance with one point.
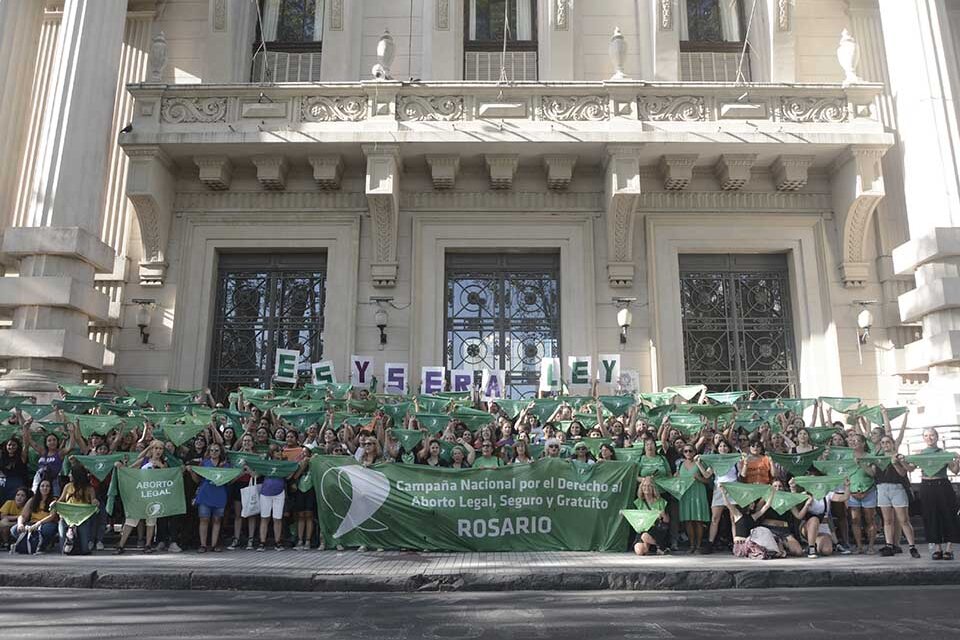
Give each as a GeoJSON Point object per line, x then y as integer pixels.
{"type": "Point", "coordinates": [857, 191]}
{"type": "Point", "coordinates": [576, 202]}
{"type": "Point", "coordinates": [672, 108]}
{"type": "Point", "coordinates": [442, 18]}
{"type": "Point", "coordinates": [819, 110]}
{"type": "Point", "coordinates": [383, 199]}
{"type": "Point", "coordinates": [560, 108]}
{"type": "Point", "coordinates": [502, 168]}
{"type": "Point", "coordinates": [191, 110]}
{"type": "Point", "coordinates": [333, 108]}
{"type": "Point", "coordinates": [665, 9]}
{"type": "Point", "coordinates": [430, 108]}
{"type": "Point", "coordinates": [561, 18]}
{"type": "Point", "coordinates": [736, 201]}
{"type": "Point", "coordinates": [259, 201]}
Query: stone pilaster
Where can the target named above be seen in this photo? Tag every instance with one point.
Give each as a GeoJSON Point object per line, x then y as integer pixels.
{"type": "Point", "coordinates": [60, 250]}
{"type": "Point", "coordinates": [923, 77]}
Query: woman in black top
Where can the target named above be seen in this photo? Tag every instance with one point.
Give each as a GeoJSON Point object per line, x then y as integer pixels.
{"type": "Point", "coordinates": [894, 500]}
{"type": "Point", "coordinates": [13, 469]}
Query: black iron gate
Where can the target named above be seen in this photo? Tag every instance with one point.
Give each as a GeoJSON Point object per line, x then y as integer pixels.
{"type": "Point", "coordinates": [503, 312]}
{"type": "Point", "coordinates": [737, 323]}
{"type": "Point", "coordinates": [265, 302]}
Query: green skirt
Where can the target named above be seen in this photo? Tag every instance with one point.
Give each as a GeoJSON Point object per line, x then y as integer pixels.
{"type": "Point", "coordinates": [694, 504]}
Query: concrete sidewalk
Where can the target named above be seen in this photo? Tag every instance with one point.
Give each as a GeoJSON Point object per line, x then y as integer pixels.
{"type": "Point", "coordinates": [410, 571]}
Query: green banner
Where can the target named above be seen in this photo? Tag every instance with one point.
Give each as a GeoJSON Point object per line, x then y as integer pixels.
{"type": "Point", "coordinates": [550, 505]}
{"type": "Point", "coordinates": [796, 464]}
{"type": "Point", "coordinates": [783, 501]}
{"type": "Point", "coordinates": [74, 514]}
{"type": "Point", "coordinates": [640, 519]}
{"type": "Point", "coordinates": [819, 486]}
{"type": "Point", "coordinates": [720, 462]}
{"type": "Point", "coordinates": [151, 493]}
{"type": "Point", "coordinates": [217, 475]}
{"type": "Point", "coordinates": [931, 463]}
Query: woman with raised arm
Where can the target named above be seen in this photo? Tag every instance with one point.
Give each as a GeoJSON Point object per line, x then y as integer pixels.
{"type": "Point", "coordinates": [893, 500]}
{"type": "Point", "coordinates": [941, 525]}
{"type": "Point", "coordinates": [246, 446]}
{"type": "Point", "coordinates": [814, 517]}
{"type": "Point", "coordinates": [863, 497]}
{"type": "Point", "coordinates": [717, 505]}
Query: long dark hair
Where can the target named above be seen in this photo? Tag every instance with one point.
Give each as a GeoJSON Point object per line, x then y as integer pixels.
{"type": "Point", "coordinates": [80, 479]}
{"type": "Point", "coordinates": [38, 502]}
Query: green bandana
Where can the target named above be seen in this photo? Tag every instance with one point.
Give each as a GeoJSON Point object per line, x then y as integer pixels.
{"type": "Point", "coordinates": [712, 411]}
{"type": "Point", "coordinates": [819, 486]}
{"type": "Point", "coordinates": [797, 405]}
{"type": "Point", "coordinates": [820, 435]}
{"type": "Point", "coordinates": [240, 458]}
{"type": "Point", "coordinates": [594, 444]}
{"type": "Point", "coordinates": [783, 501]}
{"type": "Point", "coordinates": [687, 392]}
{"type": "Point", "coordinates": [743, 494]}
{"type": "Point", "coordinates": [654, 466]}
{"type": "Point", "coordinates": [396, 412]}
{"type": "Point", "coordinates": [302, 421]}
{"type": "Point", "coordinates": [101, 466]}
{"type": "Point", "coordinates": [687, 424]}
{"type": "Point", "coordinates": [151, 493]}
{"type": "Point", "coordinates": [843, 405]}
{"type": "Point", "coordinates": [618, 405]}
{"type": "Point", "coordinates": [879, 461]}
{"type": "Point", "coordinates": [628, 454]}
{"type": "Point", "coordinates": [845, 467]}
{"type": "Point", "coordinates": [796, 464]}
{"type": "Point", "coordinates": [543, 408]}
{"type": "Point", "coordinates": [839, 453]}
{"type": "Point", "coordinates": [576, 401]}
{"type": "Point", "coordinates": [100, 425]}
{"type": "Point", "coordinates": [675, 486]}
{"type": "Point", "coordinates": [512, 408]}
{"type": "Point", "coordinates": [657, 399]}
{"type": "Point", "coordinates": [721, 463]}
{"type": "Point", "coordinates": [432, 404]}
{"type": "Point", "coordinates": [272, 468]}
{"type": "Point", "coordinates": [217, 475]}
{"type": "Point", "coordinates": [36, 411]}
{"type": "Point", "coordinates": [474, 423]}
{"type": "Point", "coordinates": [8, 431]}
{"type": "Point", "coordinates": [75, 514]}
{"type": "Point", "coordinates": [589, 421]}
{"type": "Point", "coordinates": [408, 438]}
{"type": "Point", "coordinates": [11, 402]}
{"type": "Point", "coordinates": [748, 425]}
{"type": "Point", "coordinates": [874, 415]}
{"type": "Point", "coordinates": [72, 406]}
{"type": "Point", "coordinates": [159, 400]}
{"type": "Point", "coordinates": [139, 395]}
{"type": "Point", "coordinates": [252, 393]}
{"type": "Point", "coordinates": [433, 422]}
{"type": "Point", "coordinates": [640, 519]}
{"type": "Point", "coordinates": [86, 390]}
{"type": "Point", "coordinates": [362, 406]}
{"type": "Point", "coordinates": [931, 463]}
{"type": "Point", "coordinates": [181, 433]}
{"type": "Point", "coordinates": [729, 397]}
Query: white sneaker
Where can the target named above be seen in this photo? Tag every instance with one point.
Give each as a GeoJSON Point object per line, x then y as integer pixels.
{"type": "Point", "coordinates": [161, 546]}
{"type": "Point", "coordinates": [174, 548]}
{"type": "Point", "coordinates": [99, 546]}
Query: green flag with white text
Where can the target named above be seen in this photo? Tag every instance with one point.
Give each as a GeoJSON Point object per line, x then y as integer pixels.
{"type": "Point", "coordinates": [151, 493]}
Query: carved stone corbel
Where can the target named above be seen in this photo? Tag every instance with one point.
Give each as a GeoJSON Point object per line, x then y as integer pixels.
{"type": "Point", "coordinates": [215, 171]}
{"type": "Point", "coordinates": [857, 190]}
{"type": "Point", "coordinates": [444, 170]}
{"type": "Point", "coordinates": [677, 170]}
{"type": "Point", "coordinates": [622, 196]}
{"type": "Point", "coordinates": [559, 171]}
{"type": "Point", "coordinates": [733, 170]}
{"type": "Point", "coordinates": [790, 172]}
{"type": "Point", "coordinates": [150, 188]}
{"type": "Point", "coordinates": [502, 168]}
{"type": "Point", "coordinates": [327, 171]}
{"type": "Point", "coordinates": [383, 199]}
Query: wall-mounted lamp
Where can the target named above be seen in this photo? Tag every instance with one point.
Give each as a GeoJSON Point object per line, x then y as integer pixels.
{"type": "Point", "coordinates": [145, 307]}
{"type": "Point", "coordinates": [380, 317]}
{"type": "Point", "coordinates": [624, 316]}
{"type": "Point", "coordinates": [864, 324]}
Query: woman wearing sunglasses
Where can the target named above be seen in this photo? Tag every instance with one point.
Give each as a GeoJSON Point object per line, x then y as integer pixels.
{"type": "Point", "coordinates": [694, 507]}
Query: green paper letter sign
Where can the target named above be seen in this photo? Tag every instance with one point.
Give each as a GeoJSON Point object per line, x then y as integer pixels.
{"type": "Point", "coordinates": [323, 372]}
{"type": "Point", "coordinates": [579, 371]}
{"type": "Point", "coordinates": [609, 370]}
{"type": "Point", "coordinates": [550, 374]}
{"type": "Point", "coordinates": [285, 367]}
{"type": "Point", "coordinates": [361, 370]}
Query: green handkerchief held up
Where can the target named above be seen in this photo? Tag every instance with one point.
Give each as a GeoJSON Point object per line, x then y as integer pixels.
{"type": "Point", "coordinates": [845, 467]}
{"type": "Point", "coordinates": [90, 425]}
{"type": "Point", "coordinates": [433, 422]}
{"type": "Point", "coordinates": [783, 501]}
{"type": "Point", "coordinates": [729, 397]}
{"type": "Point", "coordinates": [408, 438]}
{"type": "Point", "coordinates": [101, 466]}
{"type": "Point", "coordinates": [544, 408]}
{"type": "Point", "coordinates": [843, 405]}
{"type": "Point", "coordinates": [879, 461]}
{"type": "Point", "coordinates": [272, 468]}
{"type": "Point", "coordinates": [618, 405]}
{"type": "Point", "coordinates": [675, 486]}
{"type": "Point", "coordinates": [397, 412]}
{"type": "Point", "coordinates": [820, 435]}
{"type": "Point", "coordinates": [640, 519]}
{"type": "Point", "coordinates": [240, 458]}
{"type": "Point", "coordinates": [75, 514]}
{"type": "Point", "coordinates": [720, 462]}
{"type": "Point", "coordinates": [819, 486]}
{"type": "Point", "coordinates": [431, 404]}
{"type": "Point", "coordinates": [931, 463]}
{"type": "Point", "coordinates": [797, 405]}
{"type": "Point", "coordinates": [217, 475]}
{"type": "Point", "coordinates": [181, 433]}
{"type": "Point", "coordinates": [743, 494]}
{"type": "Point", "coordinates": [796, 464]}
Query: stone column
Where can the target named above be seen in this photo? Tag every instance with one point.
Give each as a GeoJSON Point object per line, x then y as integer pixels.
{"type": "Point", "coordinates": [231, 30]}
{"type": "Point", "coordinates": [19, 36]}
{"type": "Point", "coordinates": [58, 249]}
{"type": "Point", "coordinates": [342, 41]}
{"type": "Point", "coordinates": [923, 78]}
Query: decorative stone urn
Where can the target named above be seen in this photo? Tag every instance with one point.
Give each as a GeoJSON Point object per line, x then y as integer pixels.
{"type": "Point", "coordinates": [386, 50]}
{"type": "Point", "coordinates": [848, 55]}
{"type": "Point", "coordinates": [158, 57]}
{"type": "Point", "coordinates": [618, 54]}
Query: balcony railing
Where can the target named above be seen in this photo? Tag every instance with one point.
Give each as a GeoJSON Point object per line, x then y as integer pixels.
{"type": "Point", "coordinates": [711, 66]}
{"type": "Point", "coordinates": [285, 66]}
{"type": "Point", "coordinates": [484, 66]}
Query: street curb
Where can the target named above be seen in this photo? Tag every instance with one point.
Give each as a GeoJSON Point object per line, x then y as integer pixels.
{"type": "Point", "coordinates": [652, 580]}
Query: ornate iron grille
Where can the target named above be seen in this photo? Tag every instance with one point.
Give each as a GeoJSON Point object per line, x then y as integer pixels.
{"type": "Point", "coordinates": [265, 302]}
{"type": "Point", "coordinates": [503, 312]}
{"type": "Point", "coordinates": [737, 324]}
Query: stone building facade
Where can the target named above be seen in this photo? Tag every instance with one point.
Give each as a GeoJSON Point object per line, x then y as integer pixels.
{"type": "Point", "coordinates": [399, 180]}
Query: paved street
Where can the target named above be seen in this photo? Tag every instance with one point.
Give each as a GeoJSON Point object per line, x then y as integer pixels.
{"type": "Point", "coordinates": [919, 612]}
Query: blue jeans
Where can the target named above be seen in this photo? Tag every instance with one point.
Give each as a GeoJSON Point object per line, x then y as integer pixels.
{"type": "Point", "coordinates": [82, 539]}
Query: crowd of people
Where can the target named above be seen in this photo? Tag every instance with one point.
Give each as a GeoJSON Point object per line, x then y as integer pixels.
{"type": "Point", "coordinates": [67, 453]}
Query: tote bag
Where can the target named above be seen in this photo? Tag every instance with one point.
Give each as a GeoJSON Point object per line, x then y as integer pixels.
{"type": "Point", "coordinates": [250, 500]}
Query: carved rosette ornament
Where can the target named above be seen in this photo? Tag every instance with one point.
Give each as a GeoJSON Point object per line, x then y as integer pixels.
{"type": "Point", "coordinates": [193, 110]}
{"type": "Point", "coordinates": [672, 108]}
{"type": "Point", "coordinates": [427, 108]}
{"type": "Point", "coordinates": [583, 108]}
{"type": "Point", "coordinates": [666, 14]}
{"type": "Point", "coordinates": [333, 108]}
{"type": "Point", "coordinates": [820, 110]}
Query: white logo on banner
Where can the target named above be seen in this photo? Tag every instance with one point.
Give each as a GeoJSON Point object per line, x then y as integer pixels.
{"type": "Point", "coordinates": [369, 490]}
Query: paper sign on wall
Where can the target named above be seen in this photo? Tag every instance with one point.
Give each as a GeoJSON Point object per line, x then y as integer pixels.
{"type": "Point", "coordinates": [323, 372]}
{"type": "Point", "coordinates": [550, 374]}
{"type": "Point", "coordinates": [608, 371]}
{"type": "Point", "coordinates": [629, 381]}
{"type": "Point", "coordinates": [492, 384]}
{"type": "Point", "coordinates": [285, 366]}
{"type": "Point", "coordinates": [361, 371]}
{"type": "Point", "coordinates": [431, 379]}
{"type": "Point", "coordinates": [461, 380]}
{"type": "Point", "coordinates": [579, 370]}
{"type": "Point", "coordinates": [395, 377]}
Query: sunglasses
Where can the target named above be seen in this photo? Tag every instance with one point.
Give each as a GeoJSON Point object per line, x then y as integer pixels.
{"type": "Point", "coordinates": [554, 446]}
{"type": "Point", "coordinates": [368, 444]}
{"type": "Point", "coordinates": [688, 450]}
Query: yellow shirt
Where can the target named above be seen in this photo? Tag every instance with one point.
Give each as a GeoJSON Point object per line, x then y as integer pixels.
{"type": "Point", "coordinates": [10, 508]}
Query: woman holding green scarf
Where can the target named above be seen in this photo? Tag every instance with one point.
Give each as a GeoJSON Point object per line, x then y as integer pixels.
{"type": "Point", "coordinates": [941, 525]}
{"type": "Point", "coordinates": [656, 540]}
{"type": "Point", "coordinates": [893, 500]}
{"type": "Point", "coordinates": [863, 497]}
{"type": "Point", "coordinates": [694, 507]}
